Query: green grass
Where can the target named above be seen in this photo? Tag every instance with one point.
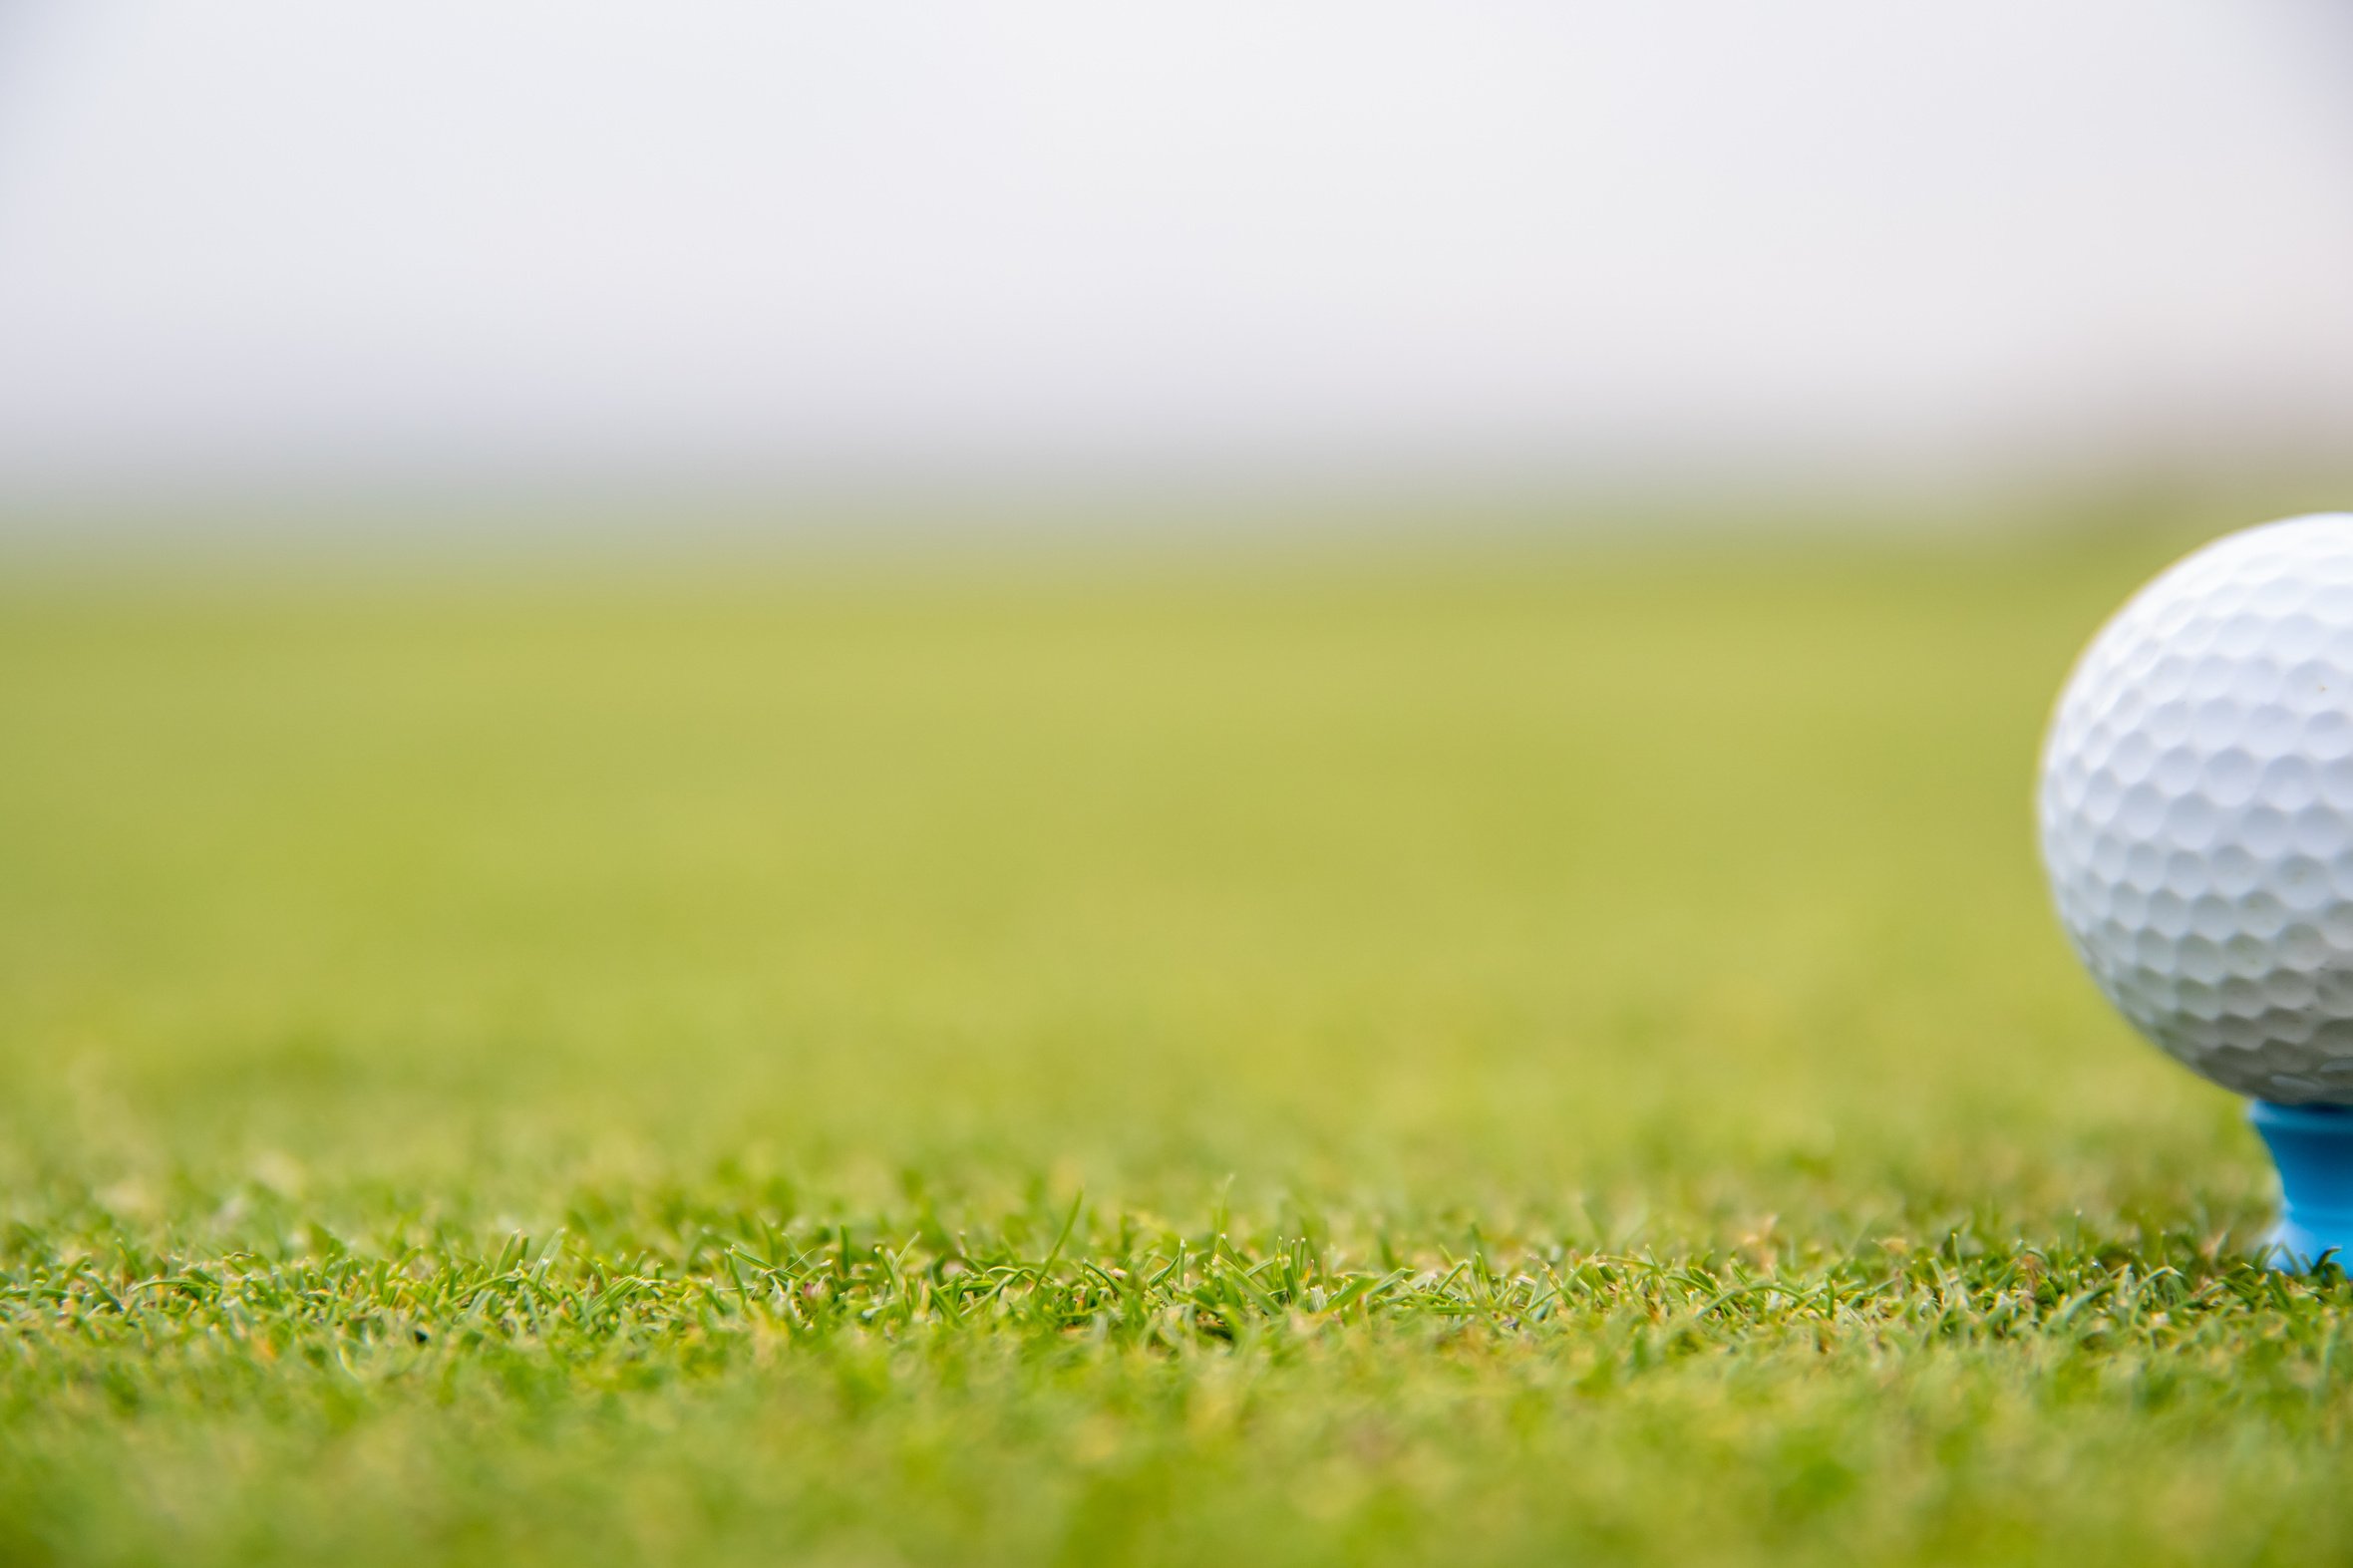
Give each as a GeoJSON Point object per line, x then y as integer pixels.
{"type": "Point", "coordinates": [1519, 1059]}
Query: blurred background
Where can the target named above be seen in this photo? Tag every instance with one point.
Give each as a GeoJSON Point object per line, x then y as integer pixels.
{"type": "Point", "coordinates": [1481, 842]}
{"type": "Point", "coordinates": [451, 252]}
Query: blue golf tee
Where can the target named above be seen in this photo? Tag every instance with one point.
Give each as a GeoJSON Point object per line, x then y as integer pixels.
{"type": "Point", "coordinates": [2313, 1148]}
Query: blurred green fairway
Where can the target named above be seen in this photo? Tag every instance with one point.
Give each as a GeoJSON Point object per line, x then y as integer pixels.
{"type": "Point", "coordinates": [1521, 1057]}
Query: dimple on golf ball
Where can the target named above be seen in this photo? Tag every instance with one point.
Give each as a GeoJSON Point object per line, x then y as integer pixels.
{"type": "Point", "coordinates": [2197, 810]}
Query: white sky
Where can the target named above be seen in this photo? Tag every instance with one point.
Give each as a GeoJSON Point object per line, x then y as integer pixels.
{"type": "Point", "coordinates": [255, 241]}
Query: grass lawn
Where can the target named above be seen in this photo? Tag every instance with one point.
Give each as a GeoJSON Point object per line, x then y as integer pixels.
{"type": "Point", "coordinates": [1522, 1057]}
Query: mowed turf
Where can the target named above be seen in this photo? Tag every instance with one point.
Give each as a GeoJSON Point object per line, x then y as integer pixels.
{"type": "Point", "coordinates": [1522, 1057]}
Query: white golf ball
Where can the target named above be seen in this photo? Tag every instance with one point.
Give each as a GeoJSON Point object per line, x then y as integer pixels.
{"type": "Point", "coordinates": [2197, 810]}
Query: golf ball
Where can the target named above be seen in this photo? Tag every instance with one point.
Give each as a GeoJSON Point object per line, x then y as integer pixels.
{"type": "Point", "coordinates": [2197, 810]}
